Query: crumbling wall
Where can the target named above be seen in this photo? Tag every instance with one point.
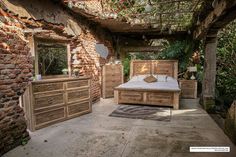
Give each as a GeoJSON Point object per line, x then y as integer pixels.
{"type": "Point", "coordinates": [19, 21]}
{"type": "Point", "coordinates": [51, 16]}
{"type": "Point", "coordinates": [15, 72]}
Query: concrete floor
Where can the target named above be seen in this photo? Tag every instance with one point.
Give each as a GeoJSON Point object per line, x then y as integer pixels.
{"type": "Point", "coordinates": [98, 135]}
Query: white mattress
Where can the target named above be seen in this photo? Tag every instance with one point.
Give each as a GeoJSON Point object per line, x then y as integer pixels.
{"type": "Point", "coordinates": [137, 82]}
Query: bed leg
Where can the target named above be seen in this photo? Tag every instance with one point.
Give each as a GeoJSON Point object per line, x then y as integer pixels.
{"type": "Point", "coordinates": [116, 93]}
{"type": "Point", "coordinates": [176, 101]}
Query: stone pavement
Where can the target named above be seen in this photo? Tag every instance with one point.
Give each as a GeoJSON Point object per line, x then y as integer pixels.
{"type": "Point", "coordinates": [98, 135]}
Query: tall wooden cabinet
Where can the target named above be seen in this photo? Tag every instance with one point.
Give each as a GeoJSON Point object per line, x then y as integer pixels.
{"type": "Point", "coordinates": [112, 76]}
{"type": "Point", "coordinates": [49, 101]}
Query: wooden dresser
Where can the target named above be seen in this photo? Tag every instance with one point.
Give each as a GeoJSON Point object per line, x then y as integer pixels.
{"type": "Point", "coordinates": [188, 88]}
{"type": "Point", "coordinates": [112, 76]}
{"type": "Point", "coordinates": [49, 101]}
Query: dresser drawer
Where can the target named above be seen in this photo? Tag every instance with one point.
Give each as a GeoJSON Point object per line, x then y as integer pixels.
{"type": "Point", "coordinates": [187, 85]}
{"type": "Point", "coordinates": [160, 98]}
{"type": "Point", "coordinates": [77, 84]}
{"type": "Point", "coordinates": [111, 84]}
{"type": "Point", "coordinates": [48, 87]}
{"type": "Point", "coordinates": [113, 68]}
{"type": "Point", "coordinates": [188, 93]}
{"type": "Point", "coordinates": [48, 101]}
{"type": "Point", "coordinates": [188, 88]}
{"type": "Point", "coordinates": [77, 95]}
{"type": "Point", "coordinates": [114, 78]}
{"type": "Point", "coordinates": [109, 92]}
{"type": "Point", "coordinates": [78, 108]}
{"type": "Point", "coordinates": [51, 116]}
{"type": "Point", "coordinates": [126, 96]}
{"type": "Point", "coordinates": [113, 74]}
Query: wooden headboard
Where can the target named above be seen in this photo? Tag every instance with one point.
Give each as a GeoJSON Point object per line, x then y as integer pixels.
{"type": "Point", "coordinates": [164, 67]}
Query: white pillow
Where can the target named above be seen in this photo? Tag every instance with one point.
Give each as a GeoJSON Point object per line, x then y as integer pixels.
{"type": "Point", "coordinates": [162, 78]}
{"type": "Point", "coordinates": [138, 78]}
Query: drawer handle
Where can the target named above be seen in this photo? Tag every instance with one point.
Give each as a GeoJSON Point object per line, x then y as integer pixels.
{"type": "Point", "coordinates": [50, 100]}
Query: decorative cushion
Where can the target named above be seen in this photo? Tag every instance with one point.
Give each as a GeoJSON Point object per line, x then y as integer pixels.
{"type": "Point", "coordinates": [150, 79]}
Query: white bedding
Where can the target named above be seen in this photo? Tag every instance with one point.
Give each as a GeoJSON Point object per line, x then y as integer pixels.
{"type": "Point", "coordinates": [137, 82]}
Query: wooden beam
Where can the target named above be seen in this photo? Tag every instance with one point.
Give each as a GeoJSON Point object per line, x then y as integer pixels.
{"type": "Point", "coordinates": [224, 12]}
{"type": "Point", "coordinates": [209, 74]}
{"type": "Point", "coordinates": [153, 34]}
{"type": "Point", "coordinates": [141, 48]}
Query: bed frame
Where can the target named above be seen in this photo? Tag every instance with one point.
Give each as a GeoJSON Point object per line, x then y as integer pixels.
{"type": "Point", "coordinates": [147, 96]}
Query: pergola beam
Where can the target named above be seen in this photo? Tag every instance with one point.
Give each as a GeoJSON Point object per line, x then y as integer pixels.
{"type": "Point", "coordinates": [153, 34]}
{"type": "Point", "coordinates": [223, 13]}
{"type": "Point", "coordinates": [141, 48]}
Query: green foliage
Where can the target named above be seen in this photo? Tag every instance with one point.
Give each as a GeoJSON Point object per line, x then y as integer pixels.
{"type": "Point", "coordinates": [24, 141]}
{"type": "Point", "coordinates": [179, 50]}
{"type": "Point", "coordinates": [126, 65]}
{"type": "Point", "coordinates": [134, 10]}
{"type": "Point", "coordinates": [226, 65]}
{"type": "Point", "coordinates": [52, 60]}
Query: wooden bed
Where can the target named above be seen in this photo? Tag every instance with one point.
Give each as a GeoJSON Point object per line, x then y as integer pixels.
{"type": "Point", "coordinates": [150, 96]}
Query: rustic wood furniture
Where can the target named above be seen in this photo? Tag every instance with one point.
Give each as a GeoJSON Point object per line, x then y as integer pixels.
{"type": "Point", "coordinates": [50, 101]}
{"type": "Point", "coordinates": [188, 88]}
{"type": "Point", "coordinates": [112, 76]}
{"type": "Point", "coordinates": [146, 96]}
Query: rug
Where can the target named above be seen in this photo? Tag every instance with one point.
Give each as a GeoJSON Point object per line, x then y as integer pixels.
{"type": "Point", "coordinates": [143, 112]}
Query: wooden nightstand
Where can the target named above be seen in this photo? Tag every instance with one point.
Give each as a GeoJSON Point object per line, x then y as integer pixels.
{"type": "Point", "coordinates": [188, 88]}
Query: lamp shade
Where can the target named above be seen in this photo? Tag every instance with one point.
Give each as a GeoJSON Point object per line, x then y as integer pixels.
{"type": "Point", "coordinates": [148, 7]}
{"type": "Point", "coordinates": [192, 69]}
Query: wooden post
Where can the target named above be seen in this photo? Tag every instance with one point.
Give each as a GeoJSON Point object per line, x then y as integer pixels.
{"type": "Point", "coordinates": [209, 76]}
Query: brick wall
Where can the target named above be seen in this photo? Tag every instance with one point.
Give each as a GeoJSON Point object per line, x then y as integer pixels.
{"type": "Point", "coordinates": [16, 61]}
{"type": "Point", "coordinates": [15, 72]}
{"type": "Point", "coordinates": [91, 62]}
{"type": "Point", "coordinates": [58, 21]}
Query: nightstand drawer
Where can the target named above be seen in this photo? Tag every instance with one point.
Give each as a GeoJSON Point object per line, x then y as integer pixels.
{"type": "Point", "coordinates": [188, 88]}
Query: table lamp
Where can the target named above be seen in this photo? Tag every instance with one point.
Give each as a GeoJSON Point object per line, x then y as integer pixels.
{"type": "Point", "coordinates": [192, 70]}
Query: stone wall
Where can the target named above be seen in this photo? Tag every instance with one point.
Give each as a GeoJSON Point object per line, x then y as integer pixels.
{"type": "Point", "coordinates": [92, 62]}
{"type": "Point", "coordinates": [15, 73]}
